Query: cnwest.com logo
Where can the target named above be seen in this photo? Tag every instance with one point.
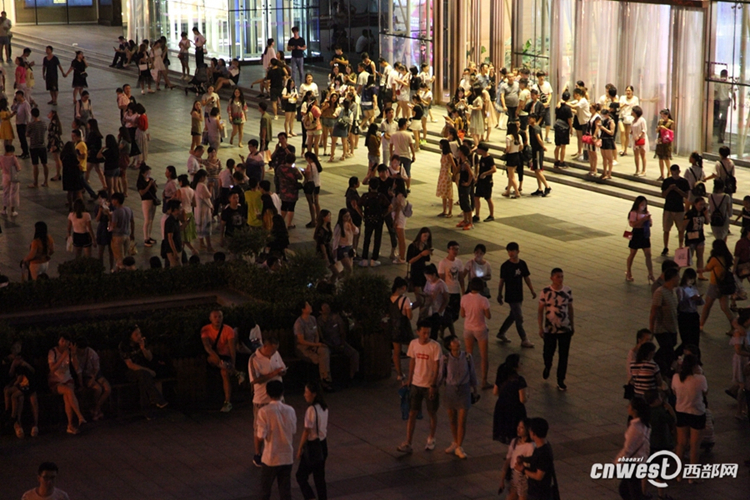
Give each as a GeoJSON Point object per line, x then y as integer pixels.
{"type": "Point", "coordinates": [660, 467]}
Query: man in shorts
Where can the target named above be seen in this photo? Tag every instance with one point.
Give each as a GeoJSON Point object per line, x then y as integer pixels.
{"type": "Point", "coordinates": [221, 346]}
{"type": "Point", "coordinates": [264, 365]}
{"type": "Point", "coordinates": [36, 131]}
{"type": "Point", "coordinates": [475, 309]}
{"type": "Point", "coordinates": [425, 355]}
{"type": "Point", "coordinates": [402, 145]}
{"type": "Point", "coordinates": [674, 190]}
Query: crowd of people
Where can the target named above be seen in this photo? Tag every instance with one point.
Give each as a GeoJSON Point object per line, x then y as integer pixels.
{"type": "Point", "coordinates": [390, 105]}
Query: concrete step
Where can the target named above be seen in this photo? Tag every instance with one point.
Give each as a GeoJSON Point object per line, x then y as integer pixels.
{"type": "Point", "coordinates": [622, 185]}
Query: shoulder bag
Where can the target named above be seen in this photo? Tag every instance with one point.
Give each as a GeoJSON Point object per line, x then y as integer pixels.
{"type": "Point", "coordinates": [313, 450]}
{"type": "Point", "coordinates": [727, 285]}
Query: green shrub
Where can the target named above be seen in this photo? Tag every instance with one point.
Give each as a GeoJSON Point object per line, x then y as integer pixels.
{"type": "Point", "coordinates": [248, 242]}
{"type": "Point", "coordinates": [86, 266]}
{"type": "Point", "coordinates": [365, 297]}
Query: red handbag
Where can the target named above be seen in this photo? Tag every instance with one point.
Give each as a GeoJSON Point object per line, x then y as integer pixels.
{"type": "Point", "coordinates": [640, 142]}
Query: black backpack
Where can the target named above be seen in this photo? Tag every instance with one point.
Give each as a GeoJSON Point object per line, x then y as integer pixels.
{"type": "Point", "coordinates": [717, 217]}
{"type": "Point", "coordinates": [699, 188]}
{"type": "Point", "coordinates": [527, 154]}
{"type": "Point", "coordinates": [730, 181]}
{"type": "Point", "coordinates": [415, 82]}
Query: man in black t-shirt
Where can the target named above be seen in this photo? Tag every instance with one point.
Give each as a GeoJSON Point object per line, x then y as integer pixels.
{"type": "Point", "coordinates": [375, 205]}
{"type": "Point", "coordinates": [297, 46]}
{"type": "Point", "coordinates": [539, 468]}
{"type": "Point", "coordinates": [385, 187]}
{"type": "Point", "coordinates": [171, 245]}
{"type": "Point", "coordinates": [483, 186]}
{"type": "Point", "coordinates": [563, 128]}
{"type": "Point", "coordinates": [276, 75]}
{"type": "Point", "coordinates": [675, 190]}
{"type": "Point", "coordinates": [232, 217]}
{"type": "Point", "coordinates": [513, 273]}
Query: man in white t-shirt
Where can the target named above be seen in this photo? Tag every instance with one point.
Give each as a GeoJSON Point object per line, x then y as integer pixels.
{"type": "Point", "coordinates": [451, 270]}
{"type": "Point", "coordinates": [402, 145]}
{"type": "Point", "coordinates": [388, 127]}
{"type": "Point", "coordinates": [46, 490]}
{"type": "Point", "coordinates": [475, 309]}
{"type": "Point", "coordinates": [545, 97]}
{"type": "Point", "coordinates": [425, 355]}
{"type": "Point", "coordinates": [264, 366]}
{"type": "Point", "coordinates": [277, 423]}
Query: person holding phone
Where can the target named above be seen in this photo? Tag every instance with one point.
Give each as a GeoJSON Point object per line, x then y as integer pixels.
{"type": "Point", "coordinates": [639, 219]}
{"type": "Point", "coordinates": [264, 365]}
{"type": "Point", "coordinates": [139, 359]}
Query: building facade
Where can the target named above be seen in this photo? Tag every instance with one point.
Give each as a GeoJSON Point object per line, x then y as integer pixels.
{"type": "Point", "coordinates": [671, 51]}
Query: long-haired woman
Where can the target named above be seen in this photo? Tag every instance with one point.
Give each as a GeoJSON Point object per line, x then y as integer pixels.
{"type": "Point", "coordinates": [94, 144]}
{"type": "Point", "coordinates": [520, 446]}
{"type": "Point", "coordinates": [79, 229]}
{"type": "Point", "coordinates": [72, 181]}
{"type": "Point", "coordinates": [448, 168]}
{"type": "Point", "coordinates": [458, 374]}
{"type": "Point", "coordinates": [312, 121]}
{"type": "Point", "coordinates": [323, 237]}
{"type": "Point", "coordinates": [327, 117]}
{"type": "Point", "coordinates": [237, 109]}
{"type": "Point", "coordinates": [315, 428]}
{"type": "Point", "coordinates": [400, 314]}
{"type": "Point", "coordinates": [196, 124]}
{"type": "Point", "coordinates": [103, 235]}
{"type": "Point", "coordinates": [513, 146]}
{"type": "Point", "coordinates": [289, 98]}
{"type": "Point", "coordinates": [311, 187]}
{"type": "Point", "coordinates": [40, 252]}
{"type": "Point", "coordinates": [343, 239]}
{"type": "Point", "coordinates": [54, 141]}
{"type": "Point", "coordinates": [146, 186]}
{"type": "Point", "coordinates": [638, 132]}
{"type": "Point", "coordinates": [664, 136]}
{"type": "Point", "coordinates": [510, 389]}
{"type": "Point", "coordinates": [418, 255]}
{"type": "Point", "coordinates": [720, 266]}
{"type": "Point", "coordinates": [203, 209]}
{"type": "Point", "coordinates": [639, 219]}
{"type": "Point", "coordinates": [690, 387]}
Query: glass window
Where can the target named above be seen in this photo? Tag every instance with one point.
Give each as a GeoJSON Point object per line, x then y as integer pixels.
{"type": "Point", "coordinates": [728, 78]}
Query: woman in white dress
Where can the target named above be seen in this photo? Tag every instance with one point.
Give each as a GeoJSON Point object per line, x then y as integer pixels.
{"type": "Point", "coordinates": [203, 209]}
{"type": "Point", "coordinates": [638, 132]}
{"type": "Point", "coordinates": [158, 51]}
{"type": "Point", "coordinates": [627, 103]}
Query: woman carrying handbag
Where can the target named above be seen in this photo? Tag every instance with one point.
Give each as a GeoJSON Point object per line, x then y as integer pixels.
{"type": "Point", "coordinates": [313, 448]}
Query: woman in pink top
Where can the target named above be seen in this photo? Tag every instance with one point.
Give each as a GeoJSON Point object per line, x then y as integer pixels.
{"type": "Point", "coordinates": [60, 379]}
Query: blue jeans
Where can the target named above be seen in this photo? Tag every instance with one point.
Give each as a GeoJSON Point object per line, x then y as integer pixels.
{"type": "Point", "coordinates": [298, 70]}
{"type": "Point", "coordinates": [86, 186]}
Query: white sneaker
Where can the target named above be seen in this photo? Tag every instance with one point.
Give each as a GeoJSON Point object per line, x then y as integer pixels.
{"type": "Point", "coordinates": [614, 162]}
{"type": "Point", "coordinates": [430, 444]}
{"type": "Point", "coordinates": [14, 213]}
{"type": "Point", "coordinates": [460, 452]}
{"type": "Point", "coordinates": [227, 407]}
{"type": "Point", "coordinates": [143, 92]}
{"type": "Point", "coordinates": [452, 448]}
{"type": "Point", "coordinates": [374, 263]}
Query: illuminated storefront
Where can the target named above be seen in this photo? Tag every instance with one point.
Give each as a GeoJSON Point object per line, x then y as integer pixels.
{"type": "Point", "coordinates": [233, 28]}
{"type": "Point", "coordinates": [671, 51]}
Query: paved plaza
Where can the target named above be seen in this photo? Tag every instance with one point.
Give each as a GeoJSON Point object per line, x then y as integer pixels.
{"type": "Point", "coordinates": [207, 455]}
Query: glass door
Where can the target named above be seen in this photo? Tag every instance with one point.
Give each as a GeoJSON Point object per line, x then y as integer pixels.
{"type": "Point", "coordinates": [727, 79]}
